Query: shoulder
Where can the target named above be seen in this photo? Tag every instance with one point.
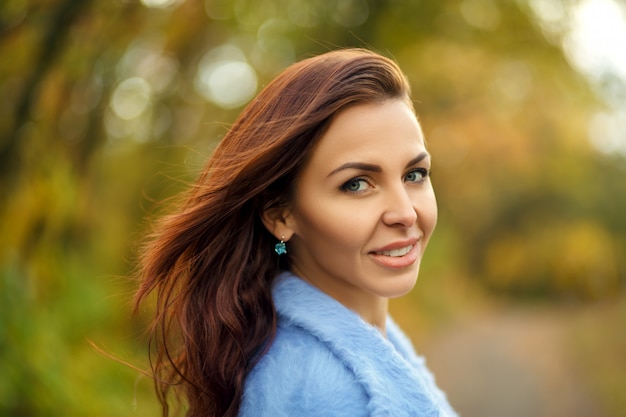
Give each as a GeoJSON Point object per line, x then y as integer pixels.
{"type": "Point", "coordinates": [300, 376]}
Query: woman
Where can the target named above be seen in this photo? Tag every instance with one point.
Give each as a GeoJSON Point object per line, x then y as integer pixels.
{"type": "Point", "coordinates": [273, 277]}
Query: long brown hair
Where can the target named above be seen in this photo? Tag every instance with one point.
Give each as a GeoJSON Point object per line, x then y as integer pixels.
{"type": "Point", "coordinates": [211, 263]}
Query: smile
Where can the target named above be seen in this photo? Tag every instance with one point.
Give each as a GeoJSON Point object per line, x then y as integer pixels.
{"type": "Point", "coordinates": [396, 252]}
{"type": "Point", "coordinates": [398, 257]}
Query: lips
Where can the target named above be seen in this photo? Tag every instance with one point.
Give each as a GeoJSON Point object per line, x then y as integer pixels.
{"type": "Point", "coordinates": [396, 255]}
{"type": "Point", "coordinates": [395, 252]}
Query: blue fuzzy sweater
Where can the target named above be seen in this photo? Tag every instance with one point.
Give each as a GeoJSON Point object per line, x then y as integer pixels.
{"type": "Point", "coordinates": [327, 362]}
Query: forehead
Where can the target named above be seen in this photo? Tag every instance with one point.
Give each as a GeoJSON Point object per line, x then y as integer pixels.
{"type": "Point", "coordinates": [372, 132]}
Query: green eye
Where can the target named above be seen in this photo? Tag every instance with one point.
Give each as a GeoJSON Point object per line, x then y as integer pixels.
{"type": "Point", "coordinates": [355, 185]}
{"type": "Point", "coordinates": [417, 175]}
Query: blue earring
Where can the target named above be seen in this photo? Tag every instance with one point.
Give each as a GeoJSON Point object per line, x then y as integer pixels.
{"type": "Point", "coordinates": [280, 248]}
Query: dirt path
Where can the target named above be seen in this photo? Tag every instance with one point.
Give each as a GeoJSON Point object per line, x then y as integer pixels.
{"type": "Point", "coordinates": [511, 364]}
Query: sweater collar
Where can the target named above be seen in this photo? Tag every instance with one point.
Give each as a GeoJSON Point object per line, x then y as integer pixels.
{"type": "Point", "coordinates": [388, 369]}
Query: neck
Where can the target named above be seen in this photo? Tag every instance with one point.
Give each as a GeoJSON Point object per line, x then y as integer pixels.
{"type": "Point", "coordinates": [375, 313]}
{"type": "Point", "coordinates": [372, 308]}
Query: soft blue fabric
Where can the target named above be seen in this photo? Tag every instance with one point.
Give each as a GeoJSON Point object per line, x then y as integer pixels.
{"type": "Point", "coordinates": [327, 362]}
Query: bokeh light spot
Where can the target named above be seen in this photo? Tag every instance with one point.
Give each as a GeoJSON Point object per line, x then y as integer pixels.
{"type": "Point", "coordinates": [131, 98]}
{"type": "Point", "coordinates": [225, 78]}
{"type": "Point", "coordinates": [606, 132]}
{"type": "Point", "coordinates": [482, 14]}
{"type": "Point", "coordinates": [350, 13]}
{"type": "Point", "coordinates": [160, 4]}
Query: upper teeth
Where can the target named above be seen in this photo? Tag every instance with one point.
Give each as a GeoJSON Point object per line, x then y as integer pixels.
{"type": "Point", "coordinates": [397, 252]}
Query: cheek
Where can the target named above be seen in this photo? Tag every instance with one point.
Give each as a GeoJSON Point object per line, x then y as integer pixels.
{"type": "Point", "coordinates": [331, 228]}
{"type": "Point", "coordinates": [427, 212]}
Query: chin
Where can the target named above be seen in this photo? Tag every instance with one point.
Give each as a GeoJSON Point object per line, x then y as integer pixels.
{"type": "Point", "coordinates": [401, 285]}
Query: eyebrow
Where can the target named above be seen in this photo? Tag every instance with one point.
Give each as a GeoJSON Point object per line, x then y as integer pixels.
{"type": "Point", "coordinates": [372, 167]}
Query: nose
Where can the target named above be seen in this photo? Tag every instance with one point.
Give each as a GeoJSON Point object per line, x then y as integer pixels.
{"type": "Point", "coordinates": [399, 208]}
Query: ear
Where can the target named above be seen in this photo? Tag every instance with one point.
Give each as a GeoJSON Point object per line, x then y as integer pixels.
{"type": "Point", "coordinates": [279, 221]}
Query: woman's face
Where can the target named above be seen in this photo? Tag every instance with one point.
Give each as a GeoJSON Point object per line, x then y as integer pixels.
{"type": "Point", "coordinates": [364, 207]}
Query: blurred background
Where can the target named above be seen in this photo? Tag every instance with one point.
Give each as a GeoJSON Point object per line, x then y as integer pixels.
{"type": "Point", "coordinates": [108, 107]}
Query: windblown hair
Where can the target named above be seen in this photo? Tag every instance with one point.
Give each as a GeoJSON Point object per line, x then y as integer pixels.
{"type": "Point", "coordinates": [211, 264]}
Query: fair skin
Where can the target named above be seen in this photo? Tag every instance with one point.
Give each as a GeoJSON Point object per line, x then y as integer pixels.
{"type": "Point", "coordinates": [364, 209]}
